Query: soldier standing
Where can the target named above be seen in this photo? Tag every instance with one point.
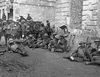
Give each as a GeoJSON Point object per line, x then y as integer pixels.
{"type": "Point", "coordinates": [48, 29]}
{"type": "Point", "coordinates": [29, 17]}
{"type": "Point", "coordinates": [4, 16]}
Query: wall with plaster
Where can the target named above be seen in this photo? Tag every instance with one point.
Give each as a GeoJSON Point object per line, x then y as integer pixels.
{"type": "Point", "coordinates": [62, 14]}
{"type": "Point", "coordinates": [39, 10]}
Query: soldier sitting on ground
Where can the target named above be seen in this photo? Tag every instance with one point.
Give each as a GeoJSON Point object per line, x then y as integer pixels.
{"type": "Point", "coordinates": [95, 59]}
{"type": "Point", "coordinates": [62, 43]}
{"type": "Point", "coordinates": [53, 43]}
{"type": "Point", "coordinates": [97, 51]}
{"type": "Point", "coordinates": [31, 41]}
{"type": "Point", "coordinates": [39, 43]}
{"type": "Point", "coordinates": [27, 41]}
{"type": "Point", "coordinates": [88, 51]}
{"type": "Point", "coordinates": [46, 41]}
{"type": "Point", "coordinates": [48, 29]}
{"type": "Point", "coordinates": [79, 54]}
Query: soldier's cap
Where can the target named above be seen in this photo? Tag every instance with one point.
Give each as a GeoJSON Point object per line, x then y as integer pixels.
{"type": "Point", "coordinates": [82, 43]}
{"type": "Point", "coordinates": [23, 21]}
{"type": "Point", "coordinates": [97, 41]}
{"type": "Point", "coordinates": [11, 40]}
{"type": "Point", "coordinates": [54, 34]}
{"type": "Point", "coordinates": [62, 36]}
{"type": "Point", "coordinates": [88, 43]}
{"type": "Point", "coordinates": [45, 34]}
{"type": "Point", "coordinates": [57, 36]}
{"type": "Point", "coordinates": [65, 35]}
{"type": "Point", "coordinates": [30, 35]}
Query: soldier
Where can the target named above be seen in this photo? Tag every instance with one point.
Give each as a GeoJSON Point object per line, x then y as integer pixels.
{"type": "Point", "coordinates": [30, 40]}
{"type": "Point", "coordinates": [53, 43]}
{"type": "Point", "coordinates": [53, 28]}
{"type": "Point", "coordinates": [46, 41]}
{"type": "Point", "coordinates": [23, 27]}
{"type": "Point", "coordinates": [88, 51]}
{"type": "Point", "coordinates": [79, 54]}
{"type": "Point", "coordinates": [29, 17]}
{"type": "Point", "coordinates": [94, 58]}
{"type": "Point", "coordinates": [19, 32]}
{"type": "Point", "coordinates": [4, 16]}
{"type": "Point", "coordinates": [62, 43]}
{"type": "Point", "coordinates": [48, 29]}
{"type": "Point", "coordinates": [48, 23]}
{"type": "Point", "coordinates": [22, 18]}
{"type": "Point", "coordinates": [3, 39]}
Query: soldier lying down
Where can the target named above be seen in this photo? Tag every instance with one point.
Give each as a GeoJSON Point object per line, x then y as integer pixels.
{"type": "Point", "coordinates": [83, 53]}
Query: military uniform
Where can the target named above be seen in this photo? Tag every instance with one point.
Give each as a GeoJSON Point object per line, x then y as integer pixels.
{"type": "Point", "coordinates": [62, 43]}
{"type": "Point", "coordinates": [46, 41]}
{"type": "Point", "coordinates": [79, 54]}
{"type": "Point", "coordinates": [29, 17]}
{"type": "Point", "coordinates": [88, 50]}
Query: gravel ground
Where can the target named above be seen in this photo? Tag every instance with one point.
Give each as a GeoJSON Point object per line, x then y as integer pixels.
{"type": "Point", "coordinates": [42, 63]}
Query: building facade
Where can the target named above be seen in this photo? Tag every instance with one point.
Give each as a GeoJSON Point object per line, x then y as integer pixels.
{"type": "Point", "coordinates": [90, 12]}
{"type": "Point", "coordinates": [40, 10]}
{"type": "Point", "coordinates": [76, 14]}
{"type": "Point", "coordinates": [90, 17]}
{"type": "Point", "coordinates": [62, 12]}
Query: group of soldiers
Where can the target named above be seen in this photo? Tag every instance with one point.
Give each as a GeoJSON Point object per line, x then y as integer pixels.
{"type": "Point", "coordinates": [86, 52]}
{"type": "Point", "coordinates": [35, 34]}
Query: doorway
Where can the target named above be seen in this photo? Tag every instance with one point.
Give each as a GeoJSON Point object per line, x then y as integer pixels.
{"type": "Point", "coordinates": [10, 14]}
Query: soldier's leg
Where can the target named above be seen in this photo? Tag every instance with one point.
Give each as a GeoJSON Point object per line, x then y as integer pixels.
{"type": "Point", "coordinates": [89, 55]}
{"type": "Point", "coordinates": [93, 63]}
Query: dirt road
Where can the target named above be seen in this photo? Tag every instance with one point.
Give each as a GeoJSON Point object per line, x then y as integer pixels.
{"type": "Point", "coordinates": [42, 63]}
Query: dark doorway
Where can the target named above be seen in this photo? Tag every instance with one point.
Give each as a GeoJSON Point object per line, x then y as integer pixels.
{"type": "Point", "coordinates": [10, 15]}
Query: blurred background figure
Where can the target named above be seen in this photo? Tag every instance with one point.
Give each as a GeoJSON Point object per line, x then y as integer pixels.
{"type": "Point", "coordinates": [29, 17]}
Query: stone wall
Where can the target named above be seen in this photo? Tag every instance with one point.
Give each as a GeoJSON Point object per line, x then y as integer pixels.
{"type": "Point", "coordinates": [90, 17]}
{"type": "Point", "coordinates": [90, 11]}
{"type": "Point", "coordinates": [40, 10]}
{"type": "Point", "coordinates": [98, 14]}
{"type": "Point", "coordinates": [76, 13]}
{"type": "Point", "coordinates": [62, 15]}
{"type": "Point", "coordinates": [2, 0]}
